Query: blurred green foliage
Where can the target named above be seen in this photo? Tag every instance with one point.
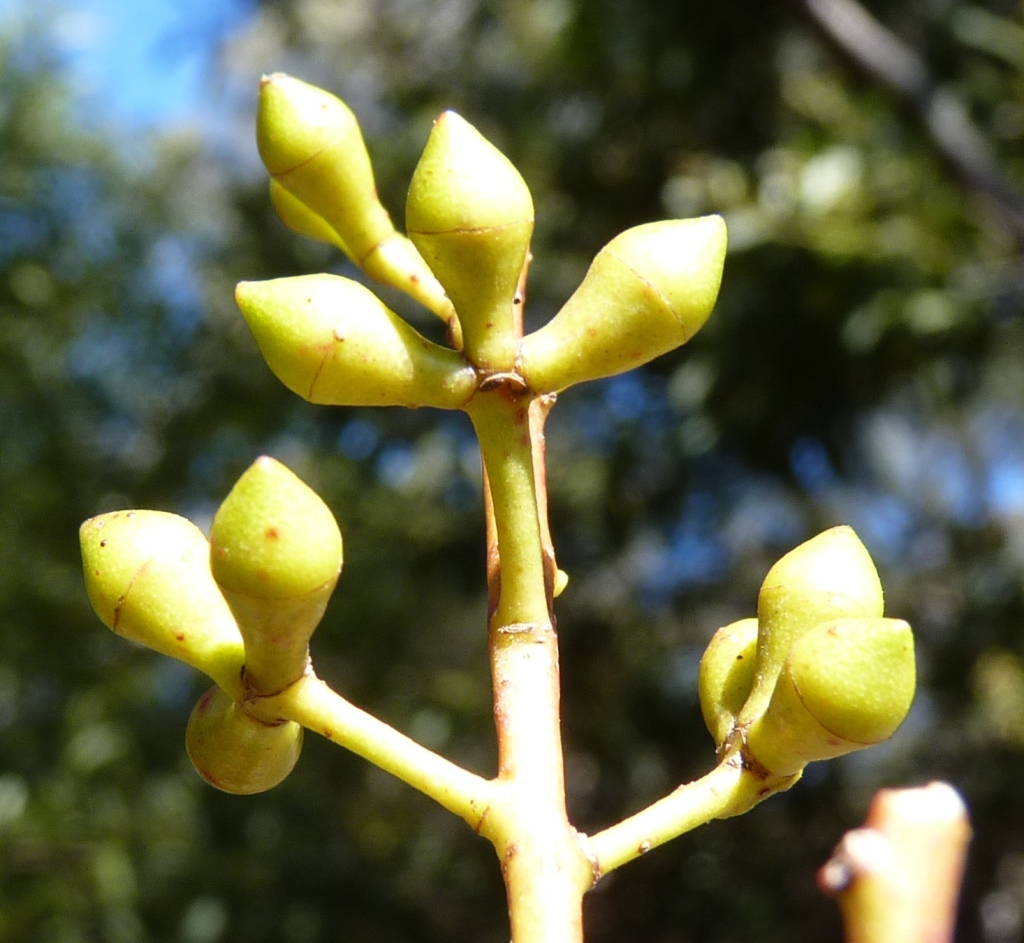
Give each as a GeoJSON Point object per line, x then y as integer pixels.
{"type": "Point", "coordinates": [865, 365]}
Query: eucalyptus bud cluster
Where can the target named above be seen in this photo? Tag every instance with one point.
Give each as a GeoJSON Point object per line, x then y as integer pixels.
{"type": "Point", "coordinates": [241, 607]}
{"type": "Point", "coordinates": [820, 672]}
{"type": "Point", "coordinates": [469, 216]}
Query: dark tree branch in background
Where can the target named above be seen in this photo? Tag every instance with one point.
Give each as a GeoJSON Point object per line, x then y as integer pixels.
{"type": "Point", "coordinates": [889, 60]}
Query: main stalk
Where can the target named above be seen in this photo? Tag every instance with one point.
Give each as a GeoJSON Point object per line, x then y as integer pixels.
{"type": "Point", "coordinates": [546, 871]}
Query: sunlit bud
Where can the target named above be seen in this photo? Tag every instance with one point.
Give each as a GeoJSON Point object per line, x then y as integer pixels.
{"type": "Point", "coordinates": [333, 341]}
{"type": "Point", "coordinates": [726, 675]}
{"type": "Point", "coordinates": [235, 752]}
{"type": "Point", "coordinates": [470, 214]}
{"type": "Point", "coordinates": [301, 219]}
{"type": "Point", "coordinates": [148, 578]}
{"type": "Point", "coordinates": [847, 684]}
{"type": "Point", "coordinates": [275, 552]}
{"type": "Point", "coordinates": [311, 144]}
{"type": "Point", "coordinates": [647, 292]}
{"type": "Point", "coordinates": [831, 576]}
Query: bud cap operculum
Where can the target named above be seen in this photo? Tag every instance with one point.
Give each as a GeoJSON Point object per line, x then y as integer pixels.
{"type": "Point", "coordinates": [311, 144]}
{"type": "Point", "coordinates": [470, 214]}
{"type": "Point", "coordinates": [148, 577]}
{"type": "Point", "coordinates": [831, 576]}
{"type": "Point", "coordinates": [273, 537]}
{"type": "Point", "coordinates": [647, 292]}
{"type": "Point", "coordinates": [847, 684]}
{"type": "Point", "coordinates": [333, 341]}
{"type": "Point", "coordinates": [276, 552]}
{"type": "Point", "coordinates": [236, 753]}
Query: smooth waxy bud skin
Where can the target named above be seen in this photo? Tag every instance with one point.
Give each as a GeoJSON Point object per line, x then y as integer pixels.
{"type": "Point", "coordinates": [273, 537]}
{"type": "Point", "coordinates": [647, 292]}
{"type": "Point", "coordinates": [726, 676]}
{"type": "Point", "coordinates": [275, 551]}
{"type": "Point", "coordinates": [332, 341]}
{"type": "Point", "coordinates": [830, 576]}
{"type": "Point", "coordinates": [311, 144]}
{"type": "Point", "coordinates": [301, 219]}
{"type": "Point", "coordinates": [847, 684]}
{"type": "Point", "coordinates": [470, 214]}
{"type": "Point", "coordinates": [236, 753]}
{"type": "Point", "coordinates": [148, 578]}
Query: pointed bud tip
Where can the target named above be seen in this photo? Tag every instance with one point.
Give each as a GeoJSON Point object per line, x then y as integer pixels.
{"type": "Point", "coordinates": [683, 259]}
{"type": "Point", "coordinates": [273, 537]}
{"type": "Point", "coordinates": [832, 570]}
{"type": "Point", "coordinates": [463, 182]}
{"type": "Point", "coordinates": [295, 121]}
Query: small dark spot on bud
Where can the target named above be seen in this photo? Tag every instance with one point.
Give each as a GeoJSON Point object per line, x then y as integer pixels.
{"type": "Point", "coordinates": [180, 637]}
{"type": "Point", "coordinates": [518, 300]}
{"type": "Point", "coordinates": [415, 279]}
{"type": "Point", "coordinates": [103, 543]}
{"type": "Point", "coordinates": [643, 847]}
{"type": "Point", "coordinates": [95, 572]}
{"type": "Point", "coordinates": [739, 658]}
{"type": "Point", "coordinates": [328, 735]}
{"type": "Point", "coordinates": [272, 533]}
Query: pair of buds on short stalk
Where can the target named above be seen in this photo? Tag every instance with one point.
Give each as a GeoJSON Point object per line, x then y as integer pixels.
{"type": "Point", "coordinates": [250, 596]}
{"type": "Point", "coordinates": [819, 672]}
{"type": "Point", "coordinates": [469, 216]}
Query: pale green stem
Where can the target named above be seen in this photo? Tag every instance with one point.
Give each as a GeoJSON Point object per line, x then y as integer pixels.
{"type": "Point", "coordinates": [546, 871]}
{"type": "Point", "coordinates": [313, 704]}
{"type": "Point", "coordinates": [729, 789]}
{"type": "Point", "coordinates": [502, 424]}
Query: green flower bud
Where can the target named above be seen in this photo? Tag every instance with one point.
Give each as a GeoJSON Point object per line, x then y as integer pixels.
{"type": "Point", "coordinates": [236, 753]}
{"type": "Point", "coordinates": [311, 144]}
{"type": "Point", "coordinates": [333, 341]}
{"type": "Point", "coordinates": [828, 577]}
{"type": "Point", "coordinates": [470, 214]}
{"type": "Point", "coordinates": [647, 292]}
{"type": "Point", "coordinates": [847, 684]}
{"type": "Point", "coordinates": [301, 219]}
{"type": "Point", "coordinates": [147, 574]}
{"type": "Point", "coordinates": [726, 676]}
{"type": "Point", "coordinates": [275, 552]}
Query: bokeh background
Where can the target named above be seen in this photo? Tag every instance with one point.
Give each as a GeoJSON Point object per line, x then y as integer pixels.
{"type": "Point", "coordinates": [865, 365]}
